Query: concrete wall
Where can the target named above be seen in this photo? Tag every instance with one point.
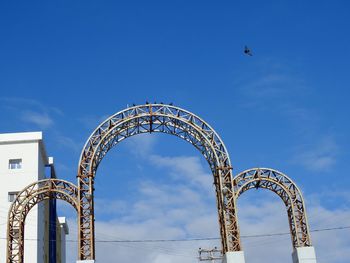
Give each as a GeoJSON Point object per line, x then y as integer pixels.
{"type": "Point", "coordinates": [43, 213]}
{"type": "Point", "coordinates": [62, 231]}
{"type": "Point", "coordinates": [234, 257]}
{"type": "Point", "coordinates": [25, 147]}
{"type": "Point", "coordinates": [304, 255]}
{"type": "Point", "coordinates": [30, 148]}
{"type": "Point", "coordinates": [59, 247]}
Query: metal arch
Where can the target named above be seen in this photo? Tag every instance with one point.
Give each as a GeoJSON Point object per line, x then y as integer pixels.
{"type": "Point", "coordinates": [147, 119]}
{"type": "Point", "coordinates": [24, 202]}
{"type": "Point", "coordinates": [287, 190]}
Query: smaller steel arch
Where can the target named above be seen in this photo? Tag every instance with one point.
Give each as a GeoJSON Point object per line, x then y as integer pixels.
{"type": "Point", "coordinates": [24, 202]}
{"type": "Point", "coordinates": [287, 190]}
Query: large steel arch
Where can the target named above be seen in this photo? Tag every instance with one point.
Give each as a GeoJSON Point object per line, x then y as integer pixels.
{"type": "Point", "coordinates": [287, 190]}
{"type": "Point", "coordinates": [147, 119]}
{"type": "Point", "coordinates": [24, 202]}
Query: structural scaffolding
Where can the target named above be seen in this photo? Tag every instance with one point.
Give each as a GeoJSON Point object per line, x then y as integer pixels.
{"type": "Point", "coordinates": [172, 120]}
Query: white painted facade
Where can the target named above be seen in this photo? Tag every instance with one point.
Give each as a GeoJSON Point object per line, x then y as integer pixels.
{"type": "Point", "coordinates": [234, 257]}
{"type": "Point", "coordinates": [304, 255]}
{"type": "Point", "coordinates": [63, 231]}
{"type": "Point", "coordinates": [14, 176]}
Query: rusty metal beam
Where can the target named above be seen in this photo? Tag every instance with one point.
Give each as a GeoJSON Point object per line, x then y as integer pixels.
{"type": "Point", "coordinates": [170, 120]}
{"type": "Point", "coordinates": [147, 119]}
{"type": "Point", "coordinates": [24, 202]}
{"type": "Point", "coordinates": [287, 190]}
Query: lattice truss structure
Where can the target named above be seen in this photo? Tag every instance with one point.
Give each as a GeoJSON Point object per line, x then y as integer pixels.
{"type": "Point", "coordinates": [25, 201]}
{"type": "Point", "coordinates": [151, 118]}
{"type": "Point", "coordinates": [287, 190]}
{"type": "Point", "coordinates": [147, 119]}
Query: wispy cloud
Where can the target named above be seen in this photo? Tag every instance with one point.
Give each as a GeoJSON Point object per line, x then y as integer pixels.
{"type": "Point", "coordinates": [320, 156]}
{"type": "Point", "coordinates": [161, 211]}
{"type": "Point", "coordinates": [182, 208]}
{"type": "Point", "coordinates": [34, 114]}
{"type": "Point", "coordinates": [154, 216]}
{"type": "Point", "coordinates": [186, 167]}
{"type": "Point", "coordinates": [271, 89]}
{"type": "Point", "coordinates": [69, 143]}
{"type": "Point", "coordinates": [284, 95]}
{"type": "Point", "coordinates": [272, 85]}
{"type": "Point", "coordinates": [268, 215]}
{"type": "Point", "coordinates": [110, 207]}
{"type": "Point", "coordinates": [92, 121]}
{"type": "Point", "coordinates": [141, 145]}
{"type": "Point", "coordinates": [31, 111]}
{"type": "Point", "coordinates": [19, 102]}
{"type": "Point", "coordinates": [40, 119]}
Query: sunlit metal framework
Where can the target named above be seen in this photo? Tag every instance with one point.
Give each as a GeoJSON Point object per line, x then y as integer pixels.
{"type": "Point", "coordinates": [287, 190]}
{"type": "Point", "coordinates": [147, 119]}
{"type": "Point", "coordinates": [25, 201]}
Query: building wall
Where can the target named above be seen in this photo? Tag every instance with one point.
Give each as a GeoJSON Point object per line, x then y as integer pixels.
{"type": "Point", "coordinates": [62, 231]}
{"type": "Point", "coordinates": [59, 244]}
{"type": "Point", "coordinates": [43, 214]}
{"type": "Point", "coordinates": [28, 147]}
{"type": "Point", "coordinates": [15, 180]}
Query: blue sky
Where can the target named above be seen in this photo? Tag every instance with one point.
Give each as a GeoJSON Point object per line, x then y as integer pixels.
{"type": "Point", "coordinates": [65, 66]}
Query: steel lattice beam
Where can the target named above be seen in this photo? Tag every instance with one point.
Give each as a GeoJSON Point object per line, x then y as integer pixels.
{"type": "Point", "coordinates": [287, 190]}
{"type": "Point", "coordinates": [24, 202]}
{"type": "Point", "coordinates": [147, 119]}
{"type": "Point", "coordinates": [170, 120]}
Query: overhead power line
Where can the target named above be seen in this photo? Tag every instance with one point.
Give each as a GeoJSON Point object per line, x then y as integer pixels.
{"type": "Point", "coordinates": [214, 238]}
{"type": "Point", "coordinates": [201, 238]}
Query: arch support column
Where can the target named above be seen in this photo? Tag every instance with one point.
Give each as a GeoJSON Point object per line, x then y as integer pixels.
{"type": "Point", "coordinates": [234, 257]}
{"type": "Point", "coordinates": [304, 255]}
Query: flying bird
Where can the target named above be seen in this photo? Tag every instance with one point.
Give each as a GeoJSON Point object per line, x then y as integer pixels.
{"type": "Point", "coordinates": [247, 51]}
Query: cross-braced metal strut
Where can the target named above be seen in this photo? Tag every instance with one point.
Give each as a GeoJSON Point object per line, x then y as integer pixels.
{"type": "Point", "coordinates": [151, 118]}
{"type": "Point", "coordinates": [24, 202]}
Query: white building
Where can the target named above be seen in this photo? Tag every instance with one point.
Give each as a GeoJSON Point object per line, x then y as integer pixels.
{"type": "Point", "coordinates": [23, 160]}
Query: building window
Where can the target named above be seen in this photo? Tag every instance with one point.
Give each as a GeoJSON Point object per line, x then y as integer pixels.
{"type": "Point", "coordinates": [15, 164]}
{"type": "Point", "coordinates": [12, 196]}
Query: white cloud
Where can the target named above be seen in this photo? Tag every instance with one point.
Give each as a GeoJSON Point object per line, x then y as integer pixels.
{"type": "Point", "coordinates": [18, 103]}
{"type": "Point", "coordinates": [320, 156]}
{"type": "Point", "coordinates": [331, 246]}
{"type": "Point", "coordinates": [184, 206]}
{"type": "Point", "coordinates": [276, 92]}
{"type": "Point", "coordinates": [67, 142]}
{"type": "Point", "coordinates": [40, 119]}
{"type": "Point", "coordinates": [161, 211]}
{"type": "Point", "coordinates": [269, 86]}
{"type": "Point", "coordinates": [262, 215]}
{"type": "Point", "coordinates": [187, 168]}
{"type": "Point", "coordinates": [92, 121]}
{"type": "Point", "coordinates": [31, 111]}
{"type": "Point", "coordinates": [110, 207]}
{"type": "Point", "coordinates": [141, 145]}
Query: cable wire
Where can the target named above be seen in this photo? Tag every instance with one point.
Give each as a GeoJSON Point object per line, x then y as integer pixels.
{"type": "Point", "coordinates": [201, 238]}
